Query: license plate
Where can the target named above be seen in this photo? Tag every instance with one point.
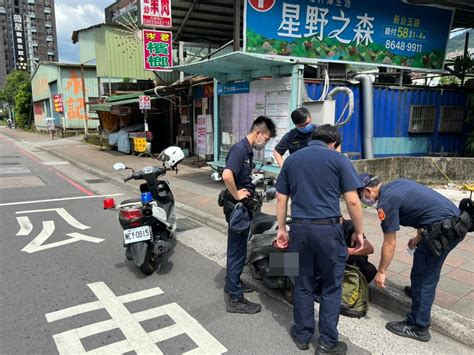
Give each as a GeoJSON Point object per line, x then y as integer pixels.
{"type": "Point", "coordinates": [137, 234]}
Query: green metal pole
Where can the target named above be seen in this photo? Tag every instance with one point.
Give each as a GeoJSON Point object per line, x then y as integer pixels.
{"type": "Point", "coordinates": [216, 122]}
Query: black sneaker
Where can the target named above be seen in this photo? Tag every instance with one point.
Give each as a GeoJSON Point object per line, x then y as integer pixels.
{"type": "Point", "coordinates": [407, 290]}
{"type": "Point", "coordinates": [340, 348]}
{"type": "Point", "coordinates": [246, 287]}
{"type": "Point", "coordinates": [299, 344]}
{"type": "Point", "coordinates": [242, 306]}
{"type": "Point", "coordinates": [405, 329]}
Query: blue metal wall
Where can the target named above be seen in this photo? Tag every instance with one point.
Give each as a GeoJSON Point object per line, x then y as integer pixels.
{"type": "Point", "coordinates": [391, 121]}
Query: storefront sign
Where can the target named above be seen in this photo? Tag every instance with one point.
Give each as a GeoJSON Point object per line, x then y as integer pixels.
{"type": "Point", "coordinates": [144, 103]}
{"type": "Point", "coordinates": [383, 33]}
{"type": "Point", "coordinates": [233, 88]}
{"type": "Point", "coordinates": [156, 13]}
{"type": "Point", "coordinates": [157, 50]}
{"type": "Point", "coordinates": [20, 48]}
{"type": "Point", "coordinates": [58, 103]}
{"type": "Point", "coordinates": [201, 134]}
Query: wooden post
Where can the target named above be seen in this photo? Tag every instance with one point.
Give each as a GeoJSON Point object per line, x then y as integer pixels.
{"type": "Point", "coordinates": [237, 4]}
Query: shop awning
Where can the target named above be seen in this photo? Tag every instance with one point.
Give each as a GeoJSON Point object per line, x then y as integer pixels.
{"type": "Point", "coordinates": [240, 66]}
{"type": "Point", "coordinates": [117, 100]}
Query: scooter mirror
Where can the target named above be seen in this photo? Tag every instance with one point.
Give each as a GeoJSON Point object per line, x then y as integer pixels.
{"type": "Point", "coordinates": [119, 166]}
{"type": "Point", "coordinates": [270, 193]}
{"type": "Point", "coordinates": [216, 176]}
{"type": "Point", "coordinates": [269, 161]}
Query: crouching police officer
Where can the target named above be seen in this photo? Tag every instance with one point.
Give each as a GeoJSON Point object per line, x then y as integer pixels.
{"type": "Point", "coordinates": [314, 178]}
{"type": "Point", "coordinates": [441, 226]}
{"type": "Point", "coordinates": [238, 180]}
{"type": "Point", "coordinates": [298, 137]}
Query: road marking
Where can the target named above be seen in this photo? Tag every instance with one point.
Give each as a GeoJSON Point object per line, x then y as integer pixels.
{"type": "Point", "coordinates": [75, 184]}
{"type": "Point", "coordinates": [55, 163]}
{"type": "Point", "coordinates": [64, 214]}
{"type": "Point", "coordinates": [48, 229]}
{"type": "Point", "coordinates": [25, 226]}
{"type": "Point", "coordinates": [137, 339]}
{"type": "Point", "coordinates": [56, 200]}
{"type": "Point", "coordinates": [14, 170]}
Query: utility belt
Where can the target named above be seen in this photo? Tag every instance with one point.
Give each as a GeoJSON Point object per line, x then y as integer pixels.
{"type": "Point", "coordinates": [228, 202]}
{"type": "Point", "coordinates": [319, 221]}
{"type": "Point", "coordinates": [438, 235]}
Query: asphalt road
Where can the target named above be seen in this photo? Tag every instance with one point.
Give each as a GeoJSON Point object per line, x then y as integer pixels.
{"type": "Point", "coordinates": [65, 285]}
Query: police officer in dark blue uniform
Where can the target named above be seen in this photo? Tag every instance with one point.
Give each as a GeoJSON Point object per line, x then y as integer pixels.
{"type": "Point", "coordinates": [440, 227]}
{"type": "Point", "coordinates": [238, 180]}
{"type": "Point", "coordinates": [298, 137]}
{"type": "Point", "coordinates": [314, 178]}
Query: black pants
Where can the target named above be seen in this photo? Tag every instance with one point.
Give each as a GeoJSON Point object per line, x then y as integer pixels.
{"type": "Point", "coordinates": [367, 269]}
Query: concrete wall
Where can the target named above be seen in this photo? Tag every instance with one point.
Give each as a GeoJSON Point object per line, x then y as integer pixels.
{"type": "Point", "coordinates": [427, 170]}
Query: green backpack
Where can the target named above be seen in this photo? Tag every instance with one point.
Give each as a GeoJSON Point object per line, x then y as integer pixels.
{"type": "Point", "coordinates": [355, 293]}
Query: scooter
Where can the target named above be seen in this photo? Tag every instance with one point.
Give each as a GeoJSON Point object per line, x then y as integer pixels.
{"type": "Point", "coordinates": [149, 223]}
{"type": "Point", "coordinates": [261, 244]}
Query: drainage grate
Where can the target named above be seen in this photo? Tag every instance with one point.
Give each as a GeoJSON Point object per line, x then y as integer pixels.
{"type": "Point", "coordinates": [186, 224]}
{"type": "Point", "coordinates": [10, 156]}
{"type": "Point", "coordinates": [9, 163]}
{"type": "Point", "coordinates": [95, 181]}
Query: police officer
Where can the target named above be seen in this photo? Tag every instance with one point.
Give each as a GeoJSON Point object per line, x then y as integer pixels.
{"type": "Point", "coordinates": [298, 137]}
{"type": "Point", "coordinates": [237, 178]}
{"type": "Point", "coordinates": [407, 203]}
{"type": "Point", "coordinates": [316, 233]}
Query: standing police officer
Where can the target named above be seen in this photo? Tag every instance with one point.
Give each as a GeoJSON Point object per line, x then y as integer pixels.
{"type": "Point", "coordinates": [440, 228]}
{"type": "Point", "coordinates": [314, 177]}
{"type": "Point", "coordinates": [298, 137]}
{"type": "Point", "coordinates": [238, 180]}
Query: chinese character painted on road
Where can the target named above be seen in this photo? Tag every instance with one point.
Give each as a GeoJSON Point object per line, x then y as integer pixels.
{"type": "Point", "coordinates": [290, 24]}
{"type": "Point", "coordinates": [335, 34]}
{"type": "Point", "coordinates": [130, 324]}
{"type": "Point", "coordinates": [316, 17]}
{"type": "Point", "coordinates": [364, 30]}
{"type": "Point", "coordinates": [37, 244]}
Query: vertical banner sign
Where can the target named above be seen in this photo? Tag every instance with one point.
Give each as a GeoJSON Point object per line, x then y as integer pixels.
{"type": "Point", "coordinates": [144, 103]}
{"type": "Point", "coordinates": [387, 33]}
{"type": "Point", "coordinates": [58, 103]}
{"type": "Point", "coordinates": [21, 59]}
{"type": "Point", "coordinates": [157, 50]}
{"type": "Point", "coordinates": [201, 134]}
{"type": "Point", "coordinates": [156, 13]}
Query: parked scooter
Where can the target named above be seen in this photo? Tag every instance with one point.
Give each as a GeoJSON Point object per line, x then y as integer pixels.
{"type": "Point", "coordinates": [261, 243]}
{"type": "Point", "coordinates": [149, 223]}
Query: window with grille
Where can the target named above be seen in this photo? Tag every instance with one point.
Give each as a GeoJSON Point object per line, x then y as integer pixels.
{"type": "Point", "coordinates": [422, 119]}
{"type": "Point", "coordinates": [452, 119]}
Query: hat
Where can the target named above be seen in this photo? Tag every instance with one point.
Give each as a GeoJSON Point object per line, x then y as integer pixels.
{"type": "Point", "coordinates": [365, 180]}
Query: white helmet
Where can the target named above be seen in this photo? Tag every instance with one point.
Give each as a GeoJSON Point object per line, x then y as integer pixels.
{"type": "Point", "coordinates": [171, 156]}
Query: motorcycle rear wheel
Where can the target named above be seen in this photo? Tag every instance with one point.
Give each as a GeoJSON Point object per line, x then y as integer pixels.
{"type": "Point", "coordinates": [148, 266]}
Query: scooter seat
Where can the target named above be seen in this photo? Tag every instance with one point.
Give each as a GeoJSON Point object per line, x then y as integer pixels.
{"type": "Point", "coordinates": [132, 200]}
{"type": "Point", "coordinates": [262, 222]}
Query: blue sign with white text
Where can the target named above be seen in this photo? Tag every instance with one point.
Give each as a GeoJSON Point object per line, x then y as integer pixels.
{"type": "Point", "coordinates": [384, 33]}
{"type": "Point", "coordinates": [241, 87]}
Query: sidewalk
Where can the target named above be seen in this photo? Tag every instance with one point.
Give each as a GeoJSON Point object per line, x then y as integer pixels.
{"type": "Point", "coordinates": [196, 193]}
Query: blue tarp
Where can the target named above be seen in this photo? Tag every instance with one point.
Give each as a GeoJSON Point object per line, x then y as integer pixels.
{"type": "Point", "coordinates": [120, 138]}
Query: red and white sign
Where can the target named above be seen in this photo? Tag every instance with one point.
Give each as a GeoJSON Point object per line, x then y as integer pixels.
{"type": "Point", "coordinates": [201, 126]}
{"type": "Point", "coordinates": [58, 103]}
{"type": "Point", "coordinates": [144, 102]}
{"type": "Point", "coordinates": [262, 5]}
{"type": "Point", "coordinates": [156, 13]}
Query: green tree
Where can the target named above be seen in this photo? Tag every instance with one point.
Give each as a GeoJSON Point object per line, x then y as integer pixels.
{"type": "Point", "coordinates": [13, 82]}
{"type": "Point", "coordinates": [23, 105]}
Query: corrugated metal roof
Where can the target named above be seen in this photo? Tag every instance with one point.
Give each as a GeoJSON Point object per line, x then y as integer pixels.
{"type": "Point", "coordinates": [464, 15]}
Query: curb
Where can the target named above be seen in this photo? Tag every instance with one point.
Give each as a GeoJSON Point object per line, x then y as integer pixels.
{"type": "Point", "coordinates": [447, 322]}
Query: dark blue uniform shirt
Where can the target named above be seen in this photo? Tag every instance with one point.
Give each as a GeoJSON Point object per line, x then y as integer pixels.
{"type": "Point", "coordinates": [239, 160]}
{"type": "Point", "coordinates": [293, 140]}
{"type": "Point", "coordinates": [407, 203]}
{"type": "Point", "coordinates": [314, 177]}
